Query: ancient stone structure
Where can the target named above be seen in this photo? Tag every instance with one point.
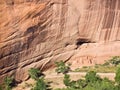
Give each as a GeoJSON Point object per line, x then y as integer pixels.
{"type": "Point", "coordinates": [36, 33]}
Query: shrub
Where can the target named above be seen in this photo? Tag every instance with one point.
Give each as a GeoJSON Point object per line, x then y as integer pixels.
{"type": "Point", "coordinates": [91, 82]}
{"type": "Point", "coordinates": [34, 73]}
{"type": "Point", "coordinates": [79, 84]}
{"type": "Point", "coordinates": [0, 87]}
{"type": "Point", "coordinates": [82, 83]}
{"type": "Point", "coordinates": [71, 84]}
{"type": "Point", "coordinates": [67, 80]}
{"type": "Point", "coordinates": [92, 77]}
{"type": "Point", "coordinates": [40, 81]}
{"type": "Point", "coordinates": [104, 84]}
{"type": "Point", "coordinates": [40, 84]}
{"type": "Point", "coordinates": [62, 68]}
{"type": "Point", "coordinates": [115, 60]}
{"type": "Point", "coordinates": [77, 70]}
{"type": "Point", "coordinates": [117, 77]}
{"type": "Point", "coordinates": [85, 67]}
{"type": "Point", "coordinates": [8, 83]}
{"type": "Point", "coordinates": [106, 63]}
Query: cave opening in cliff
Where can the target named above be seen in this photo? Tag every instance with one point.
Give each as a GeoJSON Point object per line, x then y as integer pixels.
{"type": "Point", "coordinates": [80, 42]}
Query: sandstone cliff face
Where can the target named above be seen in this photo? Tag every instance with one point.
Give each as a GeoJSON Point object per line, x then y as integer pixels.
{"type": "Point", "coordinates": [35, 33]}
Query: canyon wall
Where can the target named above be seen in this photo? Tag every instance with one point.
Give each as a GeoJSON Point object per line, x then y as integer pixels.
{"type": "Point", "coordinates": [36, 33]}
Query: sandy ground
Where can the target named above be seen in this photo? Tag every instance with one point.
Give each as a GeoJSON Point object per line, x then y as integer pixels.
{"type": "Point", "coordinates": [57, 79]}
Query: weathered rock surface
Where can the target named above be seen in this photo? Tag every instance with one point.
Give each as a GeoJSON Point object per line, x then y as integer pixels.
{"type": "Point", "coordinates": [35, 33]}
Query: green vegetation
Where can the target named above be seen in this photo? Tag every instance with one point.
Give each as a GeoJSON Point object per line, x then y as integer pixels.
{"type": "Point", "coordinates": [71, 84]}
{"type": "Point", "coordinates": [40, 81]}
{"type": "Point", "coordinates": [91, 81]}
{"type": "Point", "coordinates": [114, 61]}
{"type": "Point", "coordinates": [67, 80]}
{"type": "Point", "coordinates": [92, 77]}
{"type": "Point", "coordinates": [0, 87]}
{"type": "Point", "coordinates": [117, 77]}
{"type": "Point", "coordinates": [97, 68]}
{"type": "Point", "coordinates": [62, 67]}
{"type": "Point", "coordinates": [108, 67]}
{"type": "Point", "coordinates": [34, 73]}
{"type": "Point", "coordinates": [40, 84]}
{"type": "Point", "coordinates": [8, 81]}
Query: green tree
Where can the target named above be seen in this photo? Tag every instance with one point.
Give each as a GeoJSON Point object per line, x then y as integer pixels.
{"type": "Point", "coordinates": [67, 80]}
{"type": "Point", "coordinates": [115, 60]}
{"type": "Point", "coordinates": [92, 77]}
{"type": "Point", "coordinates": [40, 84]}
{"type": "Point", "coordinates": [8, 83]}
{"type": "Point", "coordinates": [62, 67]}
{"type": "Point", "coordinates": [34, 73]}
{"type": "Point", "coordinates": [117, 77]}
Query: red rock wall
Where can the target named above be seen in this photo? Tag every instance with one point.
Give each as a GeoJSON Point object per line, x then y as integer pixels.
{"type": "Point", "coordinates": [35, 33]}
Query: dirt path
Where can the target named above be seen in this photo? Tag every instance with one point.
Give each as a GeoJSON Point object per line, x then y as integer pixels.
{"type": "Point", "coordinates": [57, 79]}
{"type": "Point", "coordinates": [81, 74]}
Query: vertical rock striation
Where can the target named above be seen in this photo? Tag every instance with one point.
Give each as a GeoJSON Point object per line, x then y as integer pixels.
{"type": "Point", "coordinates": [35, 33]}
{"type": "Point", "coordinates": [98, 27]}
